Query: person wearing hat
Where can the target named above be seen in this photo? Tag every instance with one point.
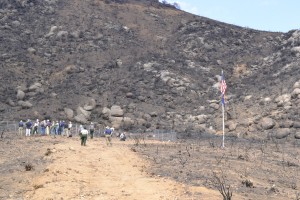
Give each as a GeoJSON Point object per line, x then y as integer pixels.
{"type": "Point", "coordinates": [92, 130]}
{"type": "Point", "coordinates": [108, 133]}
{"type": "Point", "coordinates": [83, 136]}
{"type": "Point", "coordinates": [69, 134]}
{"type": "Point", "coordinates": [28, 125]}
{"type": "Point", "coordinates": [35, 127]}
{"type": "Point", "coordinates": [48, 127]}
{"type": "Point", "coordinates": [21, 127]}
{"type": "Point", "coordinates": [43, 127]}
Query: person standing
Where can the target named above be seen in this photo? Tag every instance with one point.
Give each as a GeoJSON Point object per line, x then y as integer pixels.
{"type": "Point", "coordinates": [28, 125]}
{"type": "Point", "coordinates": [35, 127]}
{"type": "Point", "coordinates": [68, 131]}
{"type": "Point", "coordinates": [21, 128]}
{"type": "Point", "coordinates": [56, 128]}
{"type": "Point", "coordinates": [123, 137]}
{"type": "Point", "coordinates": [48, 127]}
{"type": "Point", "coordinates": [84, 133]}
{"type": "Point", "coordinates": [108, 133]}
{"type": "Point", "coordinates": [92, 130]}
{"type": "Point", "coordinates": [62, 127]}
{"type": "Point", "coordinates": [43, 127]}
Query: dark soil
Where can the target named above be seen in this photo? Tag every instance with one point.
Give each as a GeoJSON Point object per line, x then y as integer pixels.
{"type": "Point", "coordinates": [266, 169]}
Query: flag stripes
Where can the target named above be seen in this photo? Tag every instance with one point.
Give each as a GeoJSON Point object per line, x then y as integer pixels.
{"type": "Point", "coordinates": [223, 88]}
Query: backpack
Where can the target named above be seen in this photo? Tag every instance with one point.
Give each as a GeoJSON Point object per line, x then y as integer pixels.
{"type": "Point", "coordinates": [28, 124]}
{"type": "Point", "coordinates": [107, 131]}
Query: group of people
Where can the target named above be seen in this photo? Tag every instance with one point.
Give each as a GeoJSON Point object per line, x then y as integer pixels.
{"type": "Point", "coordinates": [47, 127]}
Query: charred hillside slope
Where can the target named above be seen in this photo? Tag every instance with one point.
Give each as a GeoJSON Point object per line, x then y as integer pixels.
{"type": "Point", "coordinates": [141, 64]}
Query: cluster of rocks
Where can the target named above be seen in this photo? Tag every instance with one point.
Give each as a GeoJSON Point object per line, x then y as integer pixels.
{"type": "Point", "coordinates": [278, 117]}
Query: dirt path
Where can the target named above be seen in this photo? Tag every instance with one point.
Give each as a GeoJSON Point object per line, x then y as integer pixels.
{"type": "Point", "coordinates": [105, 173]}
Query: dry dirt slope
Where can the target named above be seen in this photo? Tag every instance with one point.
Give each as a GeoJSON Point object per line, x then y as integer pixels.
{"type": "Point", "coordinates": [100, 172]}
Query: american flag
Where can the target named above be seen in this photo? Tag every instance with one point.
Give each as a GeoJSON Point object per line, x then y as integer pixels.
{"type": "Point", "coordinates": [223, 88]}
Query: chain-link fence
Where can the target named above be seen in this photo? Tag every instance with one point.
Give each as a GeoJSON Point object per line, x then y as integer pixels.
{"type": "Point", "coordinates": [158, 134]}
{"type": "Point", "coordinates": [8, 126]}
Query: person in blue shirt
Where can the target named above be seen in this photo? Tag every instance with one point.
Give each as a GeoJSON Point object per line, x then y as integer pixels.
{"type": "Point", "coordinates": [28, 125]}
{"type": "Point", "coordinates": [108, 133]}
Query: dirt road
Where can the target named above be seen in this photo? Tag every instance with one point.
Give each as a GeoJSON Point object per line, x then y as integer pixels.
{"type": "Point", "coordinates": [101, 172]}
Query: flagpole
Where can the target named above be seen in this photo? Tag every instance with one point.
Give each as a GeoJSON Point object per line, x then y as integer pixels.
{"type": "Point", "coordinates": [223, 145]}
{"type": "Point", "coordinates": [223, 89]}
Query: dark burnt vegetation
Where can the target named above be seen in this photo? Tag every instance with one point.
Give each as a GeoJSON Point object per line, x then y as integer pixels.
{"type": "Point", "coordinates": [243, 167]}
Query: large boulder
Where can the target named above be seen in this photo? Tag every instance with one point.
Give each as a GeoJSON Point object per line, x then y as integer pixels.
{"type": "Point", "coordinates": [282, 133]}
{"type": "Point", "coordinates": [286, 124]}
{"type": "Point", "coordinates": [90, 105]}
{"type": "Point", "coordinates": [11, 102]}
{"type": "Point", "coordinates": [153, 114]}
{"type": "Point", "coordinates": [297, 135]}
{"type": "Point", "coordinates": [84, 112]}
{"type": "Point", "coordinates": [296, 93]}
{"type": "Point", "coordinates": [106, 113]}
{"type": "Point", "coordinates": [296, 124]}
{"type": "Point", "coordinates": [128, 122]}
{"type": "Point", "coordinates": [116, 111]}
{"type": "Point", "coordinates": [199, 128]}
{"type": "Point", "coordinates": [201, 119]}
{"type": "Point", "coordinates": [141, 122]}
{"type": "Point", "coordinates": [283, 100]}
{"type": "Point", "coordinates": [214, 106]}
{"type": "Point", "coordinates": [116, 122]}
{"type": "Point", "coordinates": [35, 86]}
{"type": "Point", "coordinates": [25, 104]}
{"type": "Point", "coordinates": [267, 123]}
{"type": "Point", "coordinates": [231, 125]}
{"type": "Point", "coordinates": [297, 84]}
{"type": "Point", "coordinates": [69, 113]}
{"type": "Point", "coordinates": [51, 32]}
{"type": "Point", "coordinates": [20, 95]}
{"type": "Point", "coordinates": [62, 34]}
{"type": "Point", "coordinates": [81, 118]}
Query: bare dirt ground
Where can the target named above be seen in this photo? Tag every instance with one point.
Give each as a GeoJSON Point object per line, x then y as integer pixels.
{"type": "Point", "coordinates": [59, 168]}
{"type": "Point", "coordinates": [62, 169]}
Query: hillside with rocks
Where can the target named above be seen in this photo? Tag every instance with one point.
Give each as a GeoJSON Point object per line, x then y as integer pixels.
{"type": "Point", "coordinates": [145, 65]}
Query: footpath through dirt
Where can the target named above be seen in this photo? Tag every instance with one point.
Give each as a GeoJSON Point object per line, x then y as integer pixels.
{"type": "Point", "coordinates": [97, 171]}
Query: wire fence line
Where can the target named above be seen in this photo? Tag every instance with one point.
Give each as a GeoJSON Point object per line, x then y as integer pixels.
{"type": "Point", "coordinates": [157, 134]}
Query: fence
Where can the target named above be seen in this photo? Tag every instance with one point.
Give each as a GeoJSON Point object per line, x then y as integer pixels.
{"type": "Point", "coordinates": [158, 134]}
{"type": "Point", "coordinates": [8, 126]}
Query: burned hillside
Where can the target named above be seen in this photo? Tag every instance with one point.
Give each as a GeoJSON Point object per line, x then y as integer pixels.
{"type": "Point", "coordinates": [143, 65]}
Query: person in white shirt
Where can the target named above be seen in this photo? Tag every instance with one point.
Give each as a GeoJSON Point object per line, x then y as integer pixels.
{"type": "Point", "coordinates": [122, 137]}
{"type": "Point", "coordinates": [35, 127]}
{"type": "Point", "coordinates": [68, 131]}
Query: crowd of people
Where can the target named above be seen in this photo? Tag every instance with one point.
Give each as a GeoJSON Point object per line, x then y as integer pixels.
{"type": "Point", "coordinates": [47, 127]}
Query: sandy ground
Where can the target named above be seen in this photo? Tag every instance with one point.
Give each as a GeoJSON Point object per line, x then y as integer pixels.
{"type": "Point", "coordinates": [97, 171]}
